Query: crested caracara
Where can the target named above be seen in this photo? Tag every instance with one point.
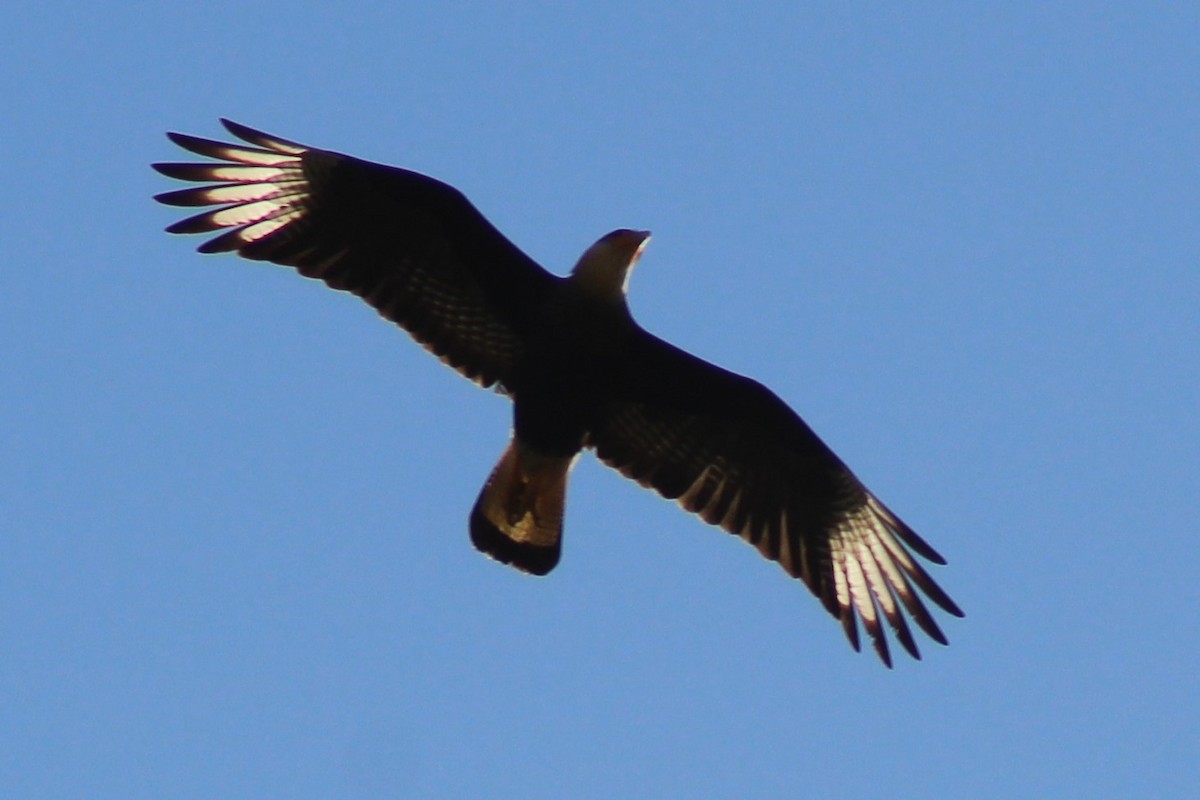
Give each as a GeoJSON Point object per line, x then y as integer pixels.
{"type": "Point", "coordinates": [580, 371]}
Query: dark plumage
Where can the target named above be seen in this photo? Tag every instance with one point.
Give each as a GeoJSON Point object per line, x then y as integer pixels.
{"type": "Point", "coordinates": [581, 373]}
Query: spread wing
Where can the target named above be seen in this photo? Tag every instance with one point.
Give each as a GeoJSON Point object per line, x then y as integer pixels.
{"type": "Point", "coordinates": [410, 246]}
{"type": "Point", "coordinates": [726, 448]}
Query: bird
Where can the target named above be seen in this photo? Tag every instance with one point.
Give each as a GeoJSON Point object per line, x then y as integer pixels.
{"type": "Point", "coordinates": [582, 374]}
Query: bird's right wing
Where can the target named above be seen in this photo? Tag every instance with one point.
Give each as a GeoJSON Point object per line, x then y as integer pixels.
{"type": "Point", "coordinates": [412, 247]}
{"type": "Point", "coordinates": [729, 450]}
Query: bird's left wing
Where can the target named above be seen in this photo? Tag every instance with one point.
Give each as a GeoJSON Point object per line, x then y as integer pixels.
{"type": "Point", "coordinates": [728, 449]}
{"type": "Point", "coordinates": [412, 247]}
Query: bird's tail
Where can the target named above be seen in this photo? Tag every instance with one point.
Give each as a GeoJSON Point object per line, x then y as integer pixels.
{"type": "Point", "coordinates": [519, 514]}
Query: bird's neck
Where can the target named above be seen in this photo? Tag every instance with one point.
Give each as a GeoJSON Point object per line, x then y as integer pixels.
{"type": "Point", "coordinates": [601, 275]}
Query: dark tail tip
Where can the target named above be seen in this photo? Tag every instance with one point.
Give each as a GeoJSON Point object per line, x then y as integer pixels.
{"type": "Point", "coordinates": [532, 558]}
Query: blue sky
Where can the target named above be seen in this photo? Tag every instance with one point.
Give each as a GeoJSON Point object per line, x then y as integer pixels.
{"type": "Point", "coordinates": [961, 241]}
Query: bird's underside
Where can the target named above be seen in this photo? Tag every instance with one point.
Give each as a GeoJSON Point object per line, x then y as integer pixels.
{"type": "Point", "coordinates": [581, 373]}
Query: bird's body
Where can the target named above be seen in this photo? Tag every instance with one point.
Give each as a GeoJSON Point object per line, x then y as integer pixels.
{"type": "Point", "coordinates": [580, 371]}
{"type": "Point", "coordinates": [557, 387]}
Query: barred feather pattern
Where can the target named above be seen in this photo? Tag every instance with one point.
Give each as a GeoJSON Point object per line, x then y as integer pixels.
{"type": "Point", "coordinates": [795, 502]}
{"type": "Point", "coordinates": [388, 235]}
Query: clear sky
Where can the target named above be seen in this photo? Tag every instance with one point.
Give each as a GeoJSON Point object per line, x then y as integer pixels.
{"type": "Point", "coordinates": [962, 241]}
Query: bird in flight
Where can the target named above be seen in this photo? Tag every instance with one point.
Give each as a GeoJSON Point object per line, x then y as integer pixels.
{"type": "Point", "coordinates": [581, 373]}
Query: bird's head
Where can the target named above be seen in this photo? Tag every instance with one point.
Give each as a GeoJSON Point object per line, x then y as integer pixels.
{"type": "Point", "coordinates": [603, 270]}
